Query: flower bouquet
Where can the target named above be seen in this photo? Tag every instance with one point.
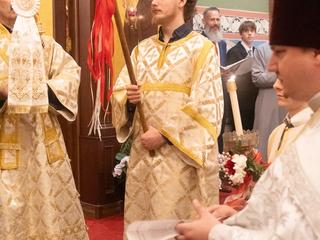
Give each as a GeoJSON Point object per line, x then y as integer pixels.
{"type": "Point", "coordinates": [240, 168]}
{"type": "Point", "coordinates": [122, 160]}
{"type": "Point", "coordinates": [120, 169]}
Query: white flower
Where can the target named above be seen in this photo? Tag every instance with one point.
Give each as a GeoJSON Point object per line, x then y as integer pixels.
{"type": "Point", "coordinates": [240, 161]}
{"type": "Point", "coordinates": [118, 169]}
{"type": "Point", "coordinates": [238, 177]}
{"type": "Point", "coordinates": [125, 160]}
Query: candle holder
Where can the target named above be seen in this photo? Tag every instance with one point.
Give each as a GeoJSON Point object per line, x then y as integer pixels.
{"type": "Point", "coordinates": [248, 140]}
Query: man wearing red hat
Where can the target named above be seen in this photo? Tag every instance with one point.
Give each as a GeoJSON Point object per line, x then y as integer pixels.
{"type": "Point", "coordinates": [285, 201]}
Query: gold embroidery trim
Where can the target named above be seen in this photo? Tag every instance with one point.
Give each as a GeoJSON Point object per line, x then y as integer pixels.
{"type": "Point", "coordinates": [201, 120]}
{"type": "Point", "coordinates": [202, 58]}
{"type": "Point", "coordinates": [12, 164]}
{"type": "Point", "coordinates": [136, 52]}
{"type": "Point", "coordinates": [3, 56]}
{"type": "Point", "coordinates": [163, 55]}
{"type": "Point", "coordinates": [4, 33]}
{"type": "Point", "coordinates": [166, 87]}
{"type": "Point", "coordinates": [8, 141]}
{"type": "Point", "coordinates": [27, 109]}
{"type": "Point", "coordinates": [182, 148]}
{"type": "Point", "coordinates": [166, 46]}
{"type": "Point", "coordinates": [3, 76]}
{"type": "Point", "coordinates": [51, 141]}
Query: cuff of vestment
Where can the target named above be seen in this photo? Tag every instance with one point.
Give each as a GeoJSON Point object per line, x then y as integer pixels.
{"type": "Point", "coordinates": [216, 231]}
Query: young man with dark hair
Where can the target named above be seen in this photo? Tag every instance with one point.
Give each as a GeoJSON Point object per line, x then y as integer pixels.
{"type": "Point", "coordinates": [180, 90]}
{"type": "Point", "coordinates": [285, 200]}
{"type": "Point", "coordinates": [243, 48]}
{"type": "Point", "coordinates": [246, 91]}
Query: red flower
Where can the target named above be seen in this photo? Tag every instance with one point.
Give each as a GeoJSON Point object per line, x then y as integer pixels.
{"type": "Point", "coordinates": [258, 157]}
{"type": "Point", "coordinates": [229, 166]}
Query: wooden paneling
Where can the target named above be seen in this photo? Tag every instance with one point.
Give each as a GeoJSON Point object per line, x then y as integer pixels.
{"type": "Point", "coordinates": [64, 22]}
{"type": "Point", "coordinates": [92, 159]}
{"type": "Point", "coordinates": [97, 164]}
{"type": "Point", "coordinates": [144, 28]}
{"type": "Point", "coordinates": [97, 156]}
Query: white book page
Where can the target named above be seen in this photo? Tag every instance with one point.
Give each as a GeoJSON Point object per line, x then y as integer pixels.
{"type": "Point", "coordinates": [238, 68]}
{"type": "Point", "coordinates": [155, 230]}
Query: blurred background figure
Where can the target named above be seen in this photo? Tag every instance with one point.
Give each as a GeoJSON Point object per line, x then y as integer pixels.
{"type": "Point", "coordinates": [212, 30]}
{"type": "Point", "coordinates": [268, 114]}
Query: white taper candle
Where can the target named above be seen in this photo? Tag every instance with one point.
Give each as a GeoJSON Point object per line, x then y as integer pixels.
{"type": "Point", "coordinates": [232, 89]}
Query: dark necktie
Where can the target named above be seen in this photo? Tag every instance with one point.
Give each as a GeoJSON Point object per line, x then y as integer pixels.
{"type": "Point", "coordinates": [288, 125]}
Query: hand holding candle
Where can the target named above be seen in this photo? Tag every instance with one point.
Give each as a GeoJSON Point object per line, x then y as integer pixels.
{"type": "Point", "coordinates": [232, 89]}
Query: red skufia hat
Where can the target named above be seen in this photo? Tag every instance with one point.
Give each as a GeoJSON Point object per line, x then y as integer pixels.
{"type": "Point", "coordinates": [296, 23]}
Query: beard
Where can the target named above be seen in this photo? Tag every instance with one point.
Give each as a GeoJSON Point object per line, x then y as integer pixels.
{"type": "Point", "coordinates": [213, 35]}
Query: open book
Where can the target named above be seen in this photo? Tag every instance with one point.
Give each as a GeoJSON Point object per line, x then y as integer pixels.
{"type": "Point", "coordinates": [238, 68]}
{"type": "Point", "coordinates": [155, 230]}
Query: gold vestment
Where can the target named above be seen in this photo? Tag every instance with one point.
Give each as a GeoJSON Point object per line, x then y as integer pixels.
{"type": "Point", "coordinates": [38, 197]}
{"type": "Point", "coordinates": [182, 98]}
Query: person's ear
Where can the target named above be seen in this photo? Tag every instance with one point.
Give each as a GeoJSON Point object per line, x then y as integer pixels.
{"type": "Point", "coordinates": [182, 3]}
{"type": "Point", "coordinates": [317, 56]}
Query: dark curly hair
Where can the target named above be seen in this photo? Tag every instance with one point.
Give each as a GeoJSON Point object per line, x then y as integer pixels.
{"type": "Point", "coordinates": [189, 9]}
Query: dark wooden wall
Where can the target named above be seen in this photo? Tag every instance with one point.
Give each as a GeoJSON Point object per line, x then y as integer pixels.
{"type": "Point", "coordinates": [92, 160]}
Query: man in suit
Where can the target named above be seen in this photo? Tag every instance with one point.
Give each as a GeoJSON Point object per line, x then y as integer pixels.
{"type": "Point", "coordinates": [212, 30]}
{"type": "Point", "coordinates": [244, 47]}
{"type": "Point", "coordinates": [247, 92]}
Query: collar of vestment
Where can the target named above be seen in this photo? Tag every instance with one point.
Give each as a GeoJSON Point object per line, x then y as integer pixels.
{"type": "Point", "coordinates": [178, 33]}
{"type": "Point", "coordinates": [314, 102]}
{"type": "Point", "coordinates": [301, 117]}
{"type": "Point", "coordinates": [4, 30]}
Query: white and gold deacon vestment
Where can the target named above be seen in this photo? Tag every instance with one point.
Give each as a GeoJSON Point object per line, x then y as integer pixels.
{"type": "Point", "coordinates": [298, 121]}
{"type": "Point", "coordinates": [38, 197]}
{"type": "Point", "coordinates": [285, 201]}
{"type": "Point", "coordinates": [182, 98]}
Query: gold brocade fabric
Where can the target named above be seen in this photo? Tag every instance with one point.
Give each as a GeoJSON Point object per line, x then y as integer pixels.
{"type": "Point", "coordinates": [182, 98]}
{"type": "Point", "coordinates": [38, 198]}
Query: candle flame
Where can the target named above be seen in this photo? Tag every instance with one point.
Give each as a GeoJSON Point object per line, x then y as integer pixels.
{"type": "Point", "coordinates": [232, 78]}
